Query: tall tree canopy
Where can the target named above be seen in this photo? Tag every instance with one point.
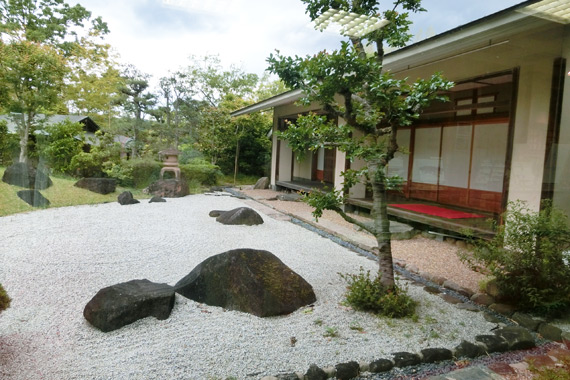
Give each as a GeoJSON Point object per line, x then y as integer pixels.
{"type": "Point", "coordinates": [351, 84]}
{"type": "Point", "coordinates": [37, 40]}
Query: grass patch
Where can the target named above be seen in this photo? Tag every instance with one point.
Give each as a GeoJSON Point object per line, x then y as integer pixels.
{"type": "Point", "coordinates": [61, 194]}
{"type": "Point", "coordinates": [241, 180]}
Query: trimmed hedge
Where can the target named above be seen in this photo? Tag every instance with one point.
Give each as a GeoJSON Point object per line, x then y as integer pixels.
{"type": "Point", "coordinates": [201, 171]}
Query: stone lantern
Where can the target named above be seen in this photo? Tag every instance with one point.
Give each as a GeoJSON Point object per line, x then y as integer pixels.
{"type": "Point", "coordinates": [169, 159]}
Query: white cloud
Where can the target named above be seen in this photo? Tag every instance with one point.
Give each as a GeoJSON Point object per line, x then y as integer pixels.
{"type": "Point", "coordinates": [159, 35]}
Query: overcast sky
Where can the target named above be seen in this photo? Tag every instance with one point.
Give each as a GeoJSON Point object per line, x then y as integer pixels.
{"type": "Point", "coordinates": [158, 36]}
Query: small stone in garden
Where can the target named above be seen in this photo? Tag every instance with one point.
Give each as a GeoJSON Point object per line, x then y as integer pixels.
{"type": "Point", "coordinates": [526, 321]}
{"type": "Point", "coordinates": [503, 308]}
{"type": "Point", "coordinates": [468, 307]}
{"type": "Point", "coordinates": [482, 299]}
{"type": "Point", "coordinates": [126, 198]}
{"type": "Point", "coordinates": [432, 355]}
{"type": "Point", "coordinates": [315, 373]}
{"type": "Point", "coordinates": [468, 349]}
{"type": "Point", "coordinates": [118, 305]}
{"type": "Point", "coordinates": [405, 359]}
{"type": "Point", "coordinates": [517, 337]}
{"type": "Point", "coordinates": [292, 197]}
{"type": "Point", "coordinates": [262, 183]}
{"type": "Point", "coordinates": [33, 198]}
{"type": "Point", "coordinates": [492, 318]}
{"type": "Point", "coordinates": [216, 213]}
{"type": "Point", "coordinates": [156, 199]}
{"type": "Point", "coordinates": [432, 289]}
{"type": "Point", "coordinates": [493, 343]}
{"type": "Point", "coordinates": [346, 371]}
{"type": "Point", "coordinates": [457, 288]}
{"type": "Point", "coordinates": [450, 299]}
{"type": "Point", "coordinates": [381, 365]}
{"type": "Point", "coordinates": [240, 216]}
{"type": "Point", "coordinates": [288, 376]}
{"type": "Point", "coordinates": [97, 185]}
{"type": "Point", "coordinates": [550, 332]}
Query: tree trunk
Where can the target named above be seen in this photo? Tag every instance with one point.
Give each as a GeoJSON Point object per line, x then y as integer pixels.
{"type": "Point", "coordinates": [24, 137]}
{"type": "Point", "coordinates": [382, 226]}
{"type": "Point", "coordinates": [236, 162]}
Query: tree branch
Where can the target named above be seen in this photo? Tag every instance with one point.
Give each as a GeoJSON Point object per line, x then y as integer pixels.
{"type": "Point", "coordinates": [357, 222]}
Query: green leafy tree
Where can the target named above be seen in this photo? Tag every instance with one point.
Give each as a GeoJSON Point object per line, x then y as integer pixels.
{"type": "Point", "coordinates": [351, 84]}
{"type": "Point", "coordinates": [37, 37]}
{"type": "Point", "coordinates": [136, 101]}
{"type": "Point", "coordinates": [8, 144]}
{"type": "Point", "coordinates": [62, 142]}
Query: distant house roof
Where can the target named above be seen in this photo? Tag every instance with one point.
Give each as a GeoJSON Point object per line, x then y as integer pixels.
{"type": "Point", "coordinates": [88, 124]}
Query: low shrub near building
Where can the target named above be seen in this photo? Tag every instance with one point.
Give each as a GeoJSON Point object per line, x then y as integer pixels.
{"type": "Point", "coordinates": [368, 294]}
{"type": "Point", "coordinates": [529, 258]}
{"type": "Point", "coordinates": [137, 173]}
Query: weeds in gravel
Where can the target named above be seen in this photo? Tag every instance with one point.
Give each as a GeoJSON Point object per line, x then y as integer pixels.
{"type": "Point", "coordinates": [331, 332]}
{"type": "Point", "coordinates": [318, 322]}
{"type": "Point", "coordinates": [356, 326]}
{"type": "Point", "coordinates": [367, 294]}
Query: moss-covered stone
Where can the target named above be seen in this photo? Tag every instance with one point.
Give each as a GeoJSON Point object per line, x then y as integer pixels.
{"type": "Point", "coordinates": [248, 280]}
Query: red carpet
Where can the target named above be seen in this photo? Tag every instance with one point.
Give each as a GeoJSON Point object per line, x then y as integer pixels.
{"type": "Point", "coordinates": [437, 211]}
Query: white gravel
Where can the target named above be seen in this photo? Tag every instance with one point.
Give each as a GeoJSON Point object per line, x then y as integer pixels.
{"type": "Point", "coordinates": [52, 262]}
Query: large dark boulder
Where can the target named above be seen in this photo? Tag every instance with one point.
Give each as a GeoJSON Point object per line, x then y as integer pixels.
{"type": "Point", "coordinates": [23, 175]}
{"type": "Point", "coordinates": [169, 188]}
{"type": "Point", "coordinates": [126, 198]}
{"type": "Point", "coordinates": [240, 216]}
{"type": "Point", "coordinates": [33, 198]}
{"type": "Point", "coordinates": [248, 280]}
{"type": "Point", "coordinates": [517, 337]}
{"type": "Point", "coordinates": [97, 185]}
{"type": "Point", "coordinates": [118, 305]}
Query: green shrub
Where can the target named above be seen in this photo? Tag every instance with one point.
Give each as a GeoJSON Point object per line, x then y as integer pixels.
{"type": "Point", "coordinates": [202, 171]}
{"type": "Point", "coordinates": [4, 299]}
{"type": "Point", "coordinates": [63, 141]}
{"type": "Point", "coordinates": [102, 157]}
{"type": "Point", "coordinates": [368, 294]}
{"type": "Point", "coordinates": [137, 173]}
{"type": "Point", "coordinates": [9, 145]}
{"type": "Point", "coordinates": [529, 258]}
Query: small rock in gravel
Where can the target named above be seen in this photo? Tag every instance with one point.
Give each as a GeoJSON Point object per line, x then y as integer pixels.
{"type": "Point", "coordinates": [482, 299]}
{"type": "Point", "coordinates": [157, 199]}
{"type": "Point", "coordinates": [381, 365]}
{"type": "Point", "coordinates": [432, 355]}
{"type": "Point", "coordinates": [450, 299]}
{"type": "Point", "coordinates": [288, 376]}
{"type": "Point", "coordinates": [550, 332]}
{"type": "Point", "coordinates": [126, 198]}
{"type": "Point", "coordinates": [405, 359]}
{"type": "Point", "coordinates": [346, 371]}
{"type": "Point", "coordinates": [526, 321]}
{"type": "Point", "coordinates": [458, 289]}
{"type": "Point", "coordinates": [315, 373]}
{"type": "Point", "coordinates": [503, 308]}
{"type": "Point", "coordinates": [493, 343]}
{"type": "Point", "coordinates": [468, 349]}
{"type": "Point", "coordinates": [468, 307]}
{"type": "Point", "coordinates": [492, 318]}
{"type": "Point", "coordinates": [518, 337]}
{"type": "Point", "coordinates": [432, 289]}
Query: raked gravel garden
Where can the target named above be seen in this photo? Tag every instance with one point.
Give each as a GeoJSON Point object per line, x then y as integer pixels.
{"type": "Point", "coordinates": [53, 261]}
